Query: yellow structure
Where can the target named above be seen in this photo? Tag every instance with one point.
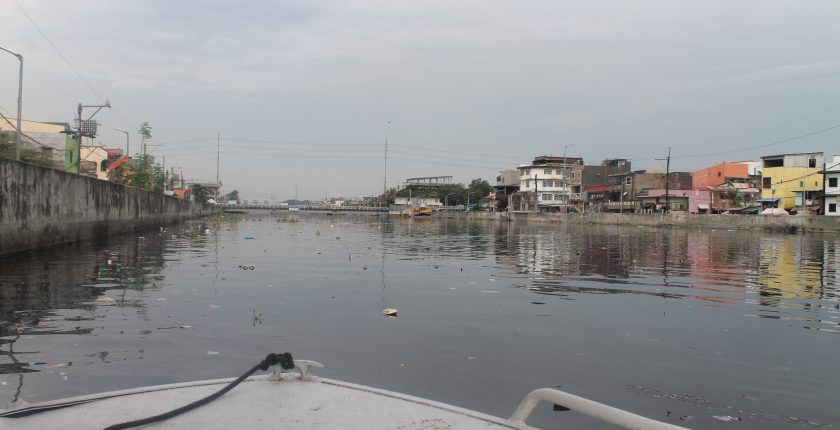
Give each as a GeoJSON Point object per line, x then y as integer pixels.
{"type": "Point", "coordinates": [794, 179]}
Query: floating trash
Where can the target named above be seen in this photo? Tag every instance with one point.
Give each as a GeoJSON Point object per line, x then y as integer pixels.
{"type": "Point", "coordinates": [726, 418]}
{"type": "Point", "coordinates": [390, 312]}
{"type": "Point", "coordinates": [249, 237]}
{"type": "Point", "coordinates": [212, 353]}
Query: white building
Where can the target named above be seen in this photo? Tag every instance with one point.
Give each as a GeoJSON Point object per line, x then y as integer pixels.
{"type": "Point", "coordinates": [832, 187]}
{"type": "Point", "coordinates": [552, 184]}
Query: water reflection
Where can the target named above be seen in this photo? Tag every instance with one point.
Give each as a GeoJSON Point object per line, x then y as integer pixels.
{"type": "Point", "coordinates": [589, 298]}
{"type": "Point", "coordinates": [724, 268]}
{"type": "Point", "coordinates": [58, 291]}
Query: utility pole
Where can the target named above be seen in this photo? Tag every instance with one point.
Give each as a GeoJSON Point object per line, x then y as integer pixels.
{"type": "Point", "coordinates": [19, 101]}
{"type": "Point", "coordinates": [667, 181]}
{"type": "Point", "coordinates": [91, 132]}
{"type": "Point", "coordinates": [218, 145]}
{"type": "Point", "coordinates": [385, 176]}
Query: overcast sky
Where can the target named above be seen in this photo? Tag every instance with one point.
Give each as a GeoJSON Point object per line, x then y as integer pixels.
{"type": "Point", "coordinates": [306, 92]}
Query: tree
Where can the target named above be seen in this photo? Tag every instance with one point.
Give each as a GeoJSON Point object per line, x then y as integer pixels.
{"type": "Point", "coordinates": [199, 193]}
{"type": "Point", "coordinates": [145, 132]}
{"type": "Point", "coordinates": [8, 149]}
{"type": "Point", "coordinates": [139, 175]}
{"type": "Point", "coordinates": [501, 202]}
{"type": "Point", "coordinates": [232, 196]}
{"type": "Point", "coordinates": [480, 188]}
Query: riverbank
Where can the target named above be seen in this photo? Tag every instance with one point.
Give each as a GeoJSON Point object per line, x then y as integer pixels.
{"type": "Point", "coordinates": [735, 222]}
{"type": "Point", "coordinates": [42, 207]}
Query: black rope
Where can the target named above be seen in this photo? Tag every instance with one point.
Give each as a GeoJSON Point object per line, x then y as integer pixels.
{"type": "Point", "coordinates": [284, 360]}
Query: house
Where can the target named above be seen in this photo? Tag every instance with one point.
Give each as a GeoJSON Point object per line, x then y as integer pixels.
{"type": "Point", "coordinates": [722, 173]}
{"type": "Point", "coordinates": [831, 200]}
{"type": "Point", "coordinates": [554, 182]}
{"type": "Point", "coordinates": [595, 180]}
{"type": "Point", "coordinates": [418, 202]}
{"type": "Point", "coordinates": [792, 181]}
{"type": "Point", "coordinates": [95, 160]}
{"type": "Point", "coordinates": [623, 188]}
{"type": "Point", "coordinates": [507, 182]}
{"type": "Point", "coordinates": [47, 137]}
{"type": "Point", "coordinates": [690, 201]}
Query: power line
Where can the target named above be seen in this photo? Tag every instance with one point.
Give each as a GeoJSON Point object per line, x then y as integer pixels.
{"type": "Point", "coordinates": [55, 48]}
{"type": "Point", "coordinates": [24, 134]}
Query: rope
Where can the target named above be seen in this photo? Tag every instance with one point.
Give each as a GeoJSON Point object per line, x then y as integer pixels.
{"type": "Point", "coordinates": [284, 360]}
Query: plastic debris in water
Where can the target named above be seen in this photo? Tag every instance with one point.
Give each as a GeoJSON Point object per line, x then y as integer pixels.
{"type": "Point", "coordinates": [389, 312]}
{"type": "Point", "coordinates": [726, 418]}
{"type": "Point", "coordinates": [249, 237]}
{"type": "Point", "coordinates": [212, 353]}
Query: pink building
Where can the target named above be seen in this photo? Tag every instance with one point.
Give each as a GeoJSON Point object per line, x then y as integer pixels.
{"type": "Point", "coordinates": [690, 201]}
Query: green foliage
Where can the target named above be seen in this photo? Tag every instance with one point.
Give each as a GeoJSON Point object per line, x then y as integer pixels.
{"type": "Point", "coordinates": [199, 193]}
{"type": "Point", "coordinates": [389, 197]}
{"type": "Point", "coordinates": [8, 149]}
{"type": "Point", "coordinates": [501, 202]}
{"type": "Point", "coordinates": [233, 195]}
{"type": "Point", "coordinates": [139, 175]}
{"type": "Point", "coordinates": [145, 131]}
{"type": "Point", "coordinates": [481, 188]}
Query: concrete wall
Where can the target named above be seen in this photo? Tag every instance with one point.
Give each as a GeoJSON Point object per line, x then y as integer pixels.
{"type": "Point", "coordinates": [723, 222]}
{"type": "Point", "coordinates": [42, 207]}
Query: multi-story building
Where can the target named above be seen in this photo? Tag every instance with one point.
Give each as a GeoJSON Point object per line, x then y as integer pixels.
{"type": "Point", "coordinates": [554, 181]}
{"type": "Point", "coordinates": [831, 200]}
{"type": "Point", "coordinates": [623, 188]}
{"type": "Point", "coordinates": [726, 172]}
{"type": "Point", "coordinates": [507, 182]}
{"type": "Point", "coordinates": [595, 180]}
{"type": "Point", "coordinates": [792, 181]}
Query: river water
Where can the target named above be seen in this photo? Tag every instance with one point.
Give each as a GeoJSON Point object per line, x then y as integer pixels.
{"type": "Point", "coordinates": [690, 327]}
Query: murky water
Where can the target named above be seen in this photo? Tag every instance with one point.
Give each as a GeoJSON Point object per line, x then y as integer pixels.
{"type": "Point", "coordinates": [678, 325]}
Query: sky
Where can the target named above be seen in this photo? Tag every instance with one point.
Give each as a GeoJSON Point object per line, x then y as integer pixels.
{"type": "Point", "coordinates": [304, 94]}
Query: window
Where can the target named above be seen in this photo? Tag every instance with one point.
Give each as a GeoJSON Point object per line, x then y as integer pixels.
{"type": "Point", "coordinates": [801, 184]}
{"type": "Point", "coordinates": [547, 171]}
{"type": "Point", "coordinates": [546, 197]}
{"type": "Point", "coordinates": [832, 182]}
{"type": "Point", "coordinates": [558, 197]}
{"type": "Point", "coordinates": [767, 182]}
{"type": "Point", "coordinates": [832, 207]}
{"type": "Point", "coordinates": [559, 172]}
{"type": "Point", "coordinates": [812, 162]}
{"type": "Point", "coordinates": [628, 180]}
{"type": "Point", "coordinates": [546, 183]}
{"type": "Point", "coordinates": [718, 174]}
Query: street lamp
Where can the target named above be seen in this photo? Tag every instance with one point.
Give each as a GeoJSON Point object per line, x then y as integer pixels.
{"type": "Point", "coordinates": [20, 99]}
{"type": "Point", "coordinates": [127, 152]}
{"type": "Point", "coordinates": [468, 198]}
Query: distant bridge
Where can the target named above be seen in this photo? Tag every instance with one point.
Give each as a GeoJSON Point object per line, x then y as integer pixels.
{"type": "Point", "coordinates": [294, 208]}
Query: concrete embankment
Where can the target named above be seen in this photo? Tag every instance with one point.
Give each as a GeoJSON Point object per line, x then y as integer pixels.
{"type": "Point", "coordinates": [740, 222]}
{"type": "Point", "coordinates": [43, 207]}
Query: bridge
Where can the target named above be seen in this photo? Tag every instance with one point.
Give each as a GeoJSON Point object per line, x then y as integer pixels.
{"type": "Point", "coordinates": [294, 208]}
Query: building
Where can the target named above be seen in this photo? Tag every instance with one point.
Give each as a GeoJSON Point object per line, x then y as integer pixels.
{"type": "Point", "coordinates": [47, 137]}
{"type": "Point", "coordinates": [620, 196]}
{"type": "Point", "coordinates": [722, 173]}
{"type": "Point", "coordinates": [554, 181]}
{"type": "Point", "coordinates": [686, 201]}
{"type": "Point", "coordinates": [507, 182]}
{"type": "Point", "coordinates": [95, 160]}
{"type": "Point", "coordinates": [595, 180]}
{"type": "Point", "coordinates": [418, 202]}
{"type": "Point", "coordinates": [792, 181]}
{"type": "Point", "coordinates": [428, 181]}
{"type": "Point", "coordinates": [831, 200]}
